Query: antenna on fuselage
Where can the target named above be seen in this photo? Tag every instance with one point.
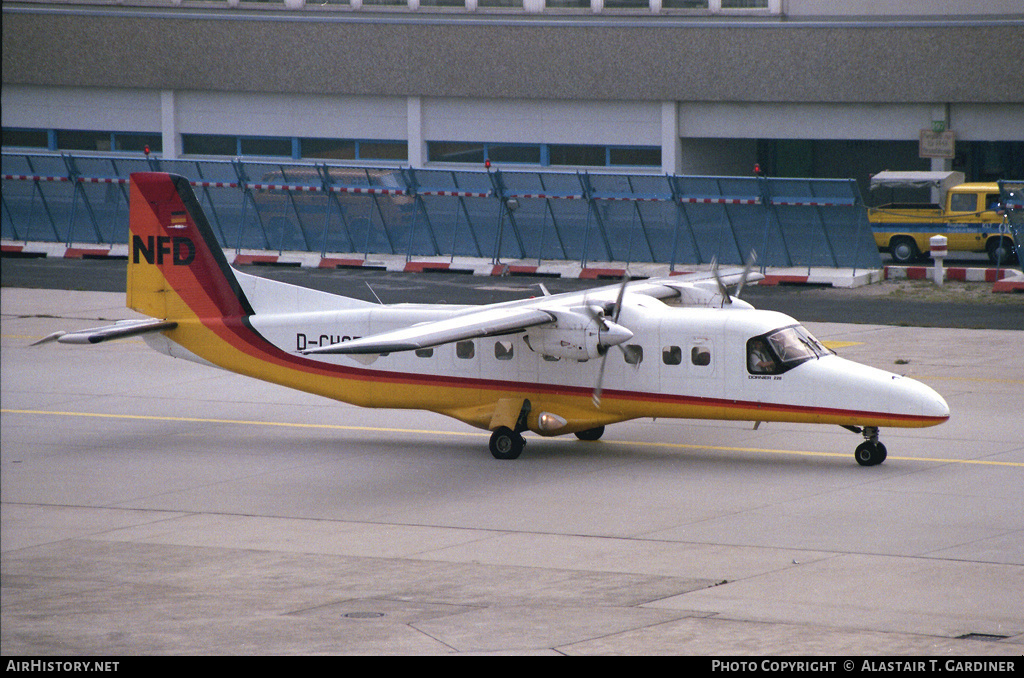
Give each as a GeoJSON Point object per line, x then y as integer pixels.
{"type": "Point", "coordinates": [373, 293]}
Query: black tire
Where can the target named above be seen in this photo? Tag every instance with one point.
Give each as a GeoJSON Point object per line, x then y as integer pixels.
{"type": "Point", "coordinates": [591, 433]}
{"type": "Point", "coordinates": [1000, 250]}
{"type": "Point", "coordinates": [903, 250]}
{"type": "Point", "coordinates": [870, 453]}
{"type": "Point", "coordinates": [506, 443]}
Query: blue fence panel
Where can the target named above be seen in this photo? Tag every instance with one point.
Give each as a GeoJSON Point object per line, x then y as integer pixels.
{"type": "Point", "coordinates": [218, 188]}
{"type": "Point", "coordinates": [41, 207]}
{"type": "Point", "coordinates": [725, 217]}
{"type": "Point", "coordinates": [492, 214]}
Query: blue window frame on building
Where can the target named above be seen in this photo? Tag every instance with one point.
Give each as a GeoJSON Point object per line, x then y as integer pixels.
{"type": "Point", "coordinates": [103, 141]}
{"type": "Point", "coordinates": [294, 147]}
{"type": "Point", "coordinates": [545, 155]}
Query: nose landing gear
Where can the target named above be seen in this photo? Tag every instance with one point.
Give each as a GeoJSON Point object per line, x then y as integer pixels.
{"type": "Point", "coordinates": [871, 452]}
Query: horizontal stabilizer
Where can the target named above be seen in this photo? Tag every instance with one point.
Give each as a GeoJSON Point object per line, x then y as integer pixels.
{"type": "Point", "coordinates": [121, 330]}
{"type": "Point", "coordinates": [484, 323]}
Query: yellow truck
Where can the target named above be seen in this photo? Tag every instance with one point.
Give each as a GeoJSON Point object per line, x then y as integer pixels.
{"type": "Point", "coordinates": [968, 214]}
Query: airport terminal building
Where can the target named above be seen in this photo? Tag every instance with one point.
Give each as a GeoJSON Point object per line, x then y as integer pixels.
{"type": "Point", "coordinates": [692, 87]}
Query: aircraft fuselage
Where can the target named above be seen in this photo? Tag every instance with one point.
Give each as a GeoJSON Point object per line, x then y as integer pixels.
{"type": "Point", "coordinates": [681, 363]}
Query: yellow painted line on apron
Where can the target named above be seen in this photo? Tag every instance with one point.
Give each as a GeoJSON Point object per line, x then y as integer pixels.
{"type": "Point", "coordinates": [236, 422]}
{"type": "Point", "coordinates": [841, 344]}
{"type": "Point", "coordinates": [390, 430]}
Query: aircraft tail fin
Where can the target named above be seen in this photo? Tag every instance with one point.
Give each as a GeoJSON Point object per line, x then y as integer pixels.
{"type": "Point", "coordinates": [176, 267]}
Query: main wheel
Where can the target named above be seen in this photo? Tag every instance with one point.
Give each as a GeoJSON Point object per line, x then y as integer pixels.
{"type": "Point", "coordinates": [870, 453]}
{"type": "Point", "coordinates": [1000, 250]}
{"type": "Point", "coordinates": [591, 433]}
{"type": "Point", "coordinates": [506, 443]}
{"type": "Point", "coordinates": [903, 250]}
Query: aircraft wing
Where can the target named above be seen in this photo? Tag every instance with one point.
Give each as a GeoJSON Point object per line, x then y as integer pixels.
{"type": "Point", "coordinates": [121, 330]}
{"type": "Point", "coordinates": [491, 321]}
{"type": "Point", "coordinates": [677, 286]}
{"type": "Point", "coordinates": [486, 322]}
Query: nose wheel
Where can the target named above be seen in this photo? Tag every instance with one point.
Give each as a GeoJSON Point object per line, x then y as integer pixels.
{"type": "Point", "coordinates": [871, 452]}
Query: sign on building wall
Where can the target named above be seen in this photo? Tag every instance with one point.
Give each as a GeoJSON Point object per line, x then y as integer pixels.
{"type": "Point", "coordinates": [937, 144]}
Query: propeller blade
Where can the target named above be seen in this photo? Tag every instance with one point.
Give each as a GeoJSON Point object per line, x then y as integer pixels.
{"type": "Point", "coordinates": [600, 378]}
{"type": "Point", "coordinates": [618, 301]}
{"type": "Point", "coordinates": [726, 299]}
{"type": "Point", "coordinates": [746, 272]}
{"type": "Point", "coordinates": [619, 335]}
{"type": "Point", "coordinates": [596, 314]}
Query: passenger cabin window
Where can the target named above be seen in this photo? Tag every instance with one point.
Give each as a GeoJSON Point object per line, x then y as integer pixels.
{"type": "Point", "coordinates": [700, 356]}
{"type": "Point", "coordinates": [465, 349]}
{"type": "Point", "coordinates": [634, 354]}
{"type": "Point", "coordinates": [503, 350]}
{"type": "Point", "coordinates": [672, 355]}
{"type": "Point", "coordinates": [963, 202]}
{"type": "Point", "coordinates": [424, 352]}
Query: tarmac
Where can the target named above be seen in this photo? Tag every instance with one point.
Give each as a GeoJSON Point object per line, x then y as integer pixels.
{"type": "Point", "coordinates": [152, 506]}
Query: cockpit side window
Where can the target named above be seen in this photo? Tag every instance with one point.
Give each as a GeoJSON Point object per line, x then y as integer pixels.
{"type": "Point", "coordinates": [781, 350]}
{"type": "Point", "coordinates": [760, 359]}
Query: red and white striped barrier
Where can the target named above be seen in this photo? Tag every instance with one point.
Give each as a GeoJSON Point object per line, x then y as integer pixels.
{"type": "Point", "coordinates": [597, 273]}
{"type": "Point", "coordinates": [335, 262]}
{"type": "Point", "coordinates": [301, 188]}
{"type": "Point", "coordinates": [457, 194]}
{"type": "Point", "coordinates": [632, 198]}
{"type": "Point", "coordinates": [366, 190]}
{"type": "Point", "coordinates": [247, 259]}
{"type": "Point", "coordinates": [101, 180]}
{"type": "Point", "coordinates": [513, 269]}
{"type": "Point", "coordinates": [545, 196]}
{"type": "Point", "coordinates": [960, 273]}
{"type": "Point", "coordinates": [810, 203]}
{"type": "Point", "coordinates": [1012, 283]}
{"type": "Point", "coordinates": [214, 184]}
{"type": "Point", "coordinates": [720, 201]}
{"type": "Point", "coordinates": [32, 177]}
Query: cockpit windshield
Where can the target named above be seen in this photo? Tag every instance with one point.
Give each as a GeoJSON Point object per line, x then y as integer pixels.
{"type": "Point", "coordinates": [783, 349]}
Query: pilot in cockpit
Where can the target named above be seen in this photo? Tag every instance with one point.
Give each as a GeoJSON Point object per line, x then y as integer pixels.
{"type": "Point", "coordinates": [759, 358]}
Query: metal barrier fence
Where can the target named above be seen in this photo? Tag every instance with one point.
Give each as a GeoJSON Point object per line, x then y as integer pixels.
{"type": "Point", "coordinates": [500, 215]}
{"type": "Point", "coordinates": [1011, 195]}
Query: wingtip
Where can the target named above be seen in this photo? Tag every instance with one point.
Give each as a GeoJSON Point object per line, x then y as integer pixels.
{"type": "Point", "coordinates": [49, 338]}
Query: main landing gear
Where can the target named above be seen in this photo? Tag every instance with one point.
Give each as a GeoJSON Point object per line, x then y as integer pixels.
{"type": "Point", "coordinates": [591, 433]}
{"type": "Point", "coordinates": [506, 443]}
{"type": "Point", "coordinates": [509, 444]}
{"type": "Point", "coordinates": [871, 452]}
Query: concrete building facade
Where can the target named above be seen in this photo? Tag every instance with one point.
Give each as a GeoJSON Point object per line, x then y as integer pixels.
{"type": "Point", "coordinates": [706, 87]}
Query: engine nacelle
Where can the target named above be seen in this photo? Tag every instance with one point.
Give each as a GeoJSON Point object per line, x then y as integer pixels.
{"type": "Point", "coordinates": [575, 336]}
{"type": "Point", "coordinates": [574, 344]}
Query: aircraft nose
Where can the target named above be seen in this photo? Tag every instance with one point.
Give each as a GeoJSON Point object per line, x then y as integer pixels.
{"type": "Point", "coordinates": [926, 402]}
{"type": "Point", "coordinates": [938, 407]}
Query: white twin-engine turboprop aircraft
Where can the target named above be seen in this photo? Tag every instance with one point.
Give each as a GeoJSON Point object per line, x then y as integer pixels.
{"type": "Point", "coordinates": [568, 363]}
